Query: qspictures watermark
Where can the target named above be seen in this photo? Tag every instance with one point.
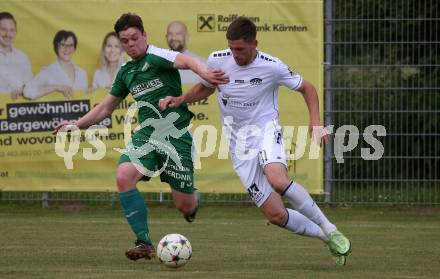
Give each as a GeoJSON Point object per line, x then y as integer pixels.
{"type": "Point", "coordinates": [208, 139]}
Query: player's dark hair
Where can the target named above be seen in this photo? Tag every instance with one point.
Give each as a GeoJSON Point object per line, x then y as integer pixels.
{"type": "Point", "coordinates": [7, 15]}
{"type": "Point", "coordinates": [129, 20]}
{"type": "Point", "coordinates": [61, 36]}
{"type": "Point", "coordinates": [242, 28]}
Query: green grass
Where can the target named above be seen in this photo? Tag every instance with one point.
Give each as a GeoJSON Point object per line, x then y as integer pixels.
{"type": "Point", "coordinates": [229, 241]}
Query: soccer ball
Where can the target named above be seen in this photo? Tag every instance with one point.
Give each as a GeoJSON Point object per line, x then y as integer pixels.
{"type": "Point", "coordinates": [174, 250]}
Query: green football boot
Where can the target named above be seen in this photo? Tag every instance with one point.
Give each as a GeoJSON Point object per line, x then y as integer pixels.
{"type": "Point", "coordinates": [338, 243]}
{"type": "Point", "coordinates": [339, 246]}
{"type": "Point", "coordinates": [340, 260]}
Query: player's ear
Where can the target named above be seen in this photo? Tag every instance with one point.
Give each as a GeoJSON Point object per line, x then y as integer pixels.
{"type": "Point", "coordinates": [256, 43]}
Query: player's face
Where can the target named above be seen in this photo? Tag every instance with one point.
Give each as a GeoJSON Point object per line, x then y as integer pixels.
{"type": "Point", "coordinates": [243, 51]}
{"type": "Point", "coordinates": [66, 48]}
{"type": "Point", "coordinates": [7, 33]}
{"type": "Point", "coordinates": [176, 37]}
{"type": "Point", "coordinates": [112, 49]}
{"type": "Point", "coordinates": [134, 42]}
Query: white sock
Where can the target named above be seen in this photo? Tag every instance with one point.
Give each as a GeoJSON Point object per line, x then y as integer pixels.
{"type": "Point", "coordinates": [304, 203]}
{"type": "Point", "coordinates": [301, 225]}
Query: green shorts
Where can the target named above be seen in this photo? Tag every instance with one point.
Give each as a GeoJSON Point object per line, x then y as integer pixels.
{"type": "Point", "coordinates": [171, 157]}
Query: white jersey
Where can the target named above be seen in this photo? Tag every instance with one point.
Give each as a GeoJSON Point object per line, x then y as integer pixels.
{"type": "Point", "coordinates": [251, 96]}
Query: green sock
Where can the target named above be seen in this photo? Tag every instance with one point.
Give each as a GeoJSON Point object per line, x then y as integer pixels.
{"type": "Point", "coordinates": [135, 212]}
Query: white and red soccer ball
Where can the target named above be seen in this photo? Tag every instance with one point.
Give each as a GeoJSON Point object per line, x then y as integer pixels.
{"type": "Point", "coordinates": [174, 250]}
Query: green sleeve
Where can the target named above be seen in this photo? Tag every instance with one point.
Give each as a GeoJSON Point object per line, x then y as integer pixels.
{"type": "Point", "coordinates": [162, 58]}
{"type": "Point", "coordinates": [162, 63]}
{"type": "Point", "coordinates": [119, 88]}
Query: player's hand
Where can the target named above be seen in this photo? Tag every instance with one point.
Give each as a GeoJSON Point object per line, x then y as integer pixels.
{"type": "Point", "coordinates": [15, 94]}
{"type": "Point", "coordinates": [215, 76]}
{"type": "Point", "coordinates": [90, 90]}
{"type": "Point", "coordinates": [318, 133]}
{"type": "Point", "coordinates": [169, 101]}
{"type": "Point", "coordinates": [67, 91]}
{"type": "Point", "coordinates": [63, 126]}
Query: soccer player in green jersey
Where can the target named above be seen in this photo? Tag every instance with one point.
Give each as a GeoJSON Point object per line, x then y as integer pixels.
{"type": "Point", "coordinates": [163, 143]}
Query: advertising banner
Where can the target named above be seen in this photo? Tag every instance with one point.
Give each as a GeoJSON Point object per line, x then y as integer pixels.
{"type": "Point", "coordinates": [37, 92]}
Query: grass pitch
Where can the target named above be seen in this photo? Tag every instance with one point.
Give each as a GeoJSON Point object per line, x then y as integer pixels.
{"type": "Point", "coordinates": [230, 241]}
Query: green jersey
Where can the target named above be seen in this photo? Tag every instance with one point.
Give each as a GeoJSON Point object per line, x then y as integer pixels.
{"type": "Point", "coordinates": [150, 79]}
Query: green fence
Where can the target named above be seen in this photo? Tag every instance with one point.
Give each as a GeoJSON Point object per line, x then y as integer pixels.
{"type": "Point", "coordinates": [383, 68]}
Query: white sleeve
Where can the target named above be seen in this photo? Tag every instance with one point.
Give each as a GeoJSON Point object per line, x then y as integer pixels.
{"type": "Point", "coordinates": [211, 65]}
{"type": "Point", "coordinates": [288, 77]}
{"type": "Point", "coordinates": [95, 84]}
{"type": "Point", "coordinates": [30, 90]}
{"type": "Point", "coordinates": [28, 70]}
{"type": "Point", "coordinates": [82, 82]}
{"type": "Point", "coordinates": [167, 54]}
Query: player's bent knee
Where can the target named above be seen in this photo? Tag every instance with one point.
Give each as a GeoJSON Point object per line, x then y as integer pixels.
{"type": "Point", "coordinates": [278, 218]}
{"type": "Point", "coordinates": [124, 182]}
{"type": "Point", "coordinates": [185, 207]}
{"type": "Point", "coordinates": [279, 183]}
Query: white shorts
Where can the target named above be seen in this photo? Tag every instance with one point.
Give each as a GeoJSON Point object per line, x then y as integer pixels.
{"type": "Point", "coordinates": [251, 171]}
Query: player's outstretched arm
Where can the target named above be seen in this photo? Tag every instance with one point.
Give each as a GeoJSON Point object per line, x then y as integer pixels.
{"type": "Point", "coordinates": [196, 93]}
{"type": "Point", "coordinates": [316, 129]}
{"type": "Point", "coordinates": [213, 76]}
{"type": "Point", "coordinates": [95, 115]}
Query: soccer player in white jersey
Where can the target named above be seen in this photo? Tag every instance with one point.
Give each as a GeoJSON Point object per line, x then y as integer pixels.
{"type": "Point", "coordinates": [249, 111]}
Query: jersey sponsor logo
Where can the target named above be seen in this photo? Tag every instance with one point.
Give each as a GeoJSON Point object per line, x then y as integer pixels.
{"type": "Point", "coordinates": [239, 81]}
{"type": "Point", "coordinates": [256, 81]}
{"type": "Point", "coordinates": [146, 87]}
{"type": "Point", "coordinates": [237, 104]}
{"type": "Point", "coordinates": [255, 193]}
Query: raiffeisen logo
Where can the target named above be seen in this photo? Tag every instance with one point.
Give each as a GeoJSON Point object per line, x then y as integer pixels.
{"type": "Point", "coordinates": [205, 22]}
